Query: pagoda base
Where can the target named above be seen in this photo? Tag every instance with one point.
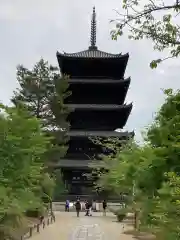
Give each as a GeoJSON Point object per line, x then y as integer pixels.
{"type": "Point", "coordinates": [78, 181]}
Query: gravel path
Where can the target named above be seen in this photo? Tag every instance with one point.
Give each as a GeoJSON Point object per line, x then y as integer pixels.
{"type": "Point", "coordinates": [69, 227]}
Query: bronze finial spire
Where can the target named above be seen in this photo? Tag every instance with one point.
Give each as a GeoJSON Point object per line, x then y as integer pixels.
{"type": "Point", "coordinates": [93, 30]}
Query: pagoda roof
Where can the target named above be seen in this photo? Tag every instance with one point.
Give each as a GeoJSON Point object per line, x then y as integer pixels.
{"type": "Point", "coordinates": [92, 53]}
{"type": "Point", "coordinates": [87, 90]}
{"type": "Point", "coordinates": [99, 106]}
{"type": "Point", "coordinates": [98, 81]}
{"type": "Point", "coordinates": [80, 133]}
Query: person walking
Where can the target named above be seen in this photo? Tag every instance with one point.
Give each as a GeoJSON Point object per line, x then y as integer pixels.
{"type": "Point", "coordinates": [78, 207]}
{"type": "Point", "coordinates": [67, 206]}
{"type": "Point", "coordinates": [90, 208]}
{"type": "Point", "coordinates": [87, 208]}
{"type": "Point", "coordinates": [104, 203]}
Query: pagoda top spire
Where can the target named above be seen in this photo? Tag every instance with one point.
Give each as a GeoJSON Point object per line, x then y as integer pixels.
{"type": "Point", "coordinates": [92, 52]}
{"type": "Point", "coordinates": [93, 31]}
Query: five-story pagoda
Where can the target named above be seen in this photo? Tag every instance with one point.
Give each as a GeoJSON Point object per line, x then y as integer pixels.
{"type": "Point", "coordinates": [98, 86]}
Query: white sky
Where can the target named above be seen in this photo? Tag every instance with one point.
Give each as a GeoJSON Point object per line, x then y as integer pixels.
{"type": "Point", "coordinates": [33, 29]}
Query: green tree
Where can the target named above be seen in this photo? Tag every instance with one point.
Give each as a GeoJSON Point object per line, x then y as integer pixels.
{"type": "Point", "coordinates": [164, 137]}
{"type": "Point", "coordinates": [22, 156]}
{"type": "Point", "coordinates": [43, 90]}
{"type": "Point", "coordinates": [60, 187]}
{"type": "Point", "coordinates": [150, 173]}
{"type": "Point", "coordinates": [167, 208]}
{"type": "Point", "coordinates": [154, 20]}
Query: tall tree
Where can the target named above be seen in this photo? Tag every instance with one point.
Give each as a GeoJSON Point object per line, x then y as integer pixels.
{"type": "Point", "coordinates": [43, 91]}
{"type": "Point", "coordinates": [154, 20]}
{"type": "Point", "coordinates": [23, 145]}
{"type": "Point", "coordinates": [150, 173]}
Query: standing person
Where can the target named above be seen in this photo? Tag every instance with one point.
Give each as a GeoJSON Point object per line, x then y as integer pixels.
{"type": "Point", "coordinates": [104, 207]}
{"type": "Point", "coordinates": [87, 208]}
{"type": "Point", "coordinates": [78, 207]}
{"type": "Point", "coordinates": [41, 219]}
{"type": "Point", "coordinates": [67, 206]}
{"type": "Point", "coordinates": [90, 208]}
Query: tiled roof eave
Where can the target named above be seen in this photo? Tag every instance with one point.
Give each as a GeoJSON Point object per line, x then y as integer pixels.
{"type": "Point", "coordinates": [80, 133]}
{"type": "Point", "coordinates": [99, 106]}
{"type": "Point", "coordinates": [99, 81]}
{"type": "Point", "coordinates": [92, 55]}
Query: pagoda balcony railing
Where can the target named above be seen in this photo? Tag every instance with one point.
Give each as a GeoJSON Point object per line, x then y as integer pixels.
{"type": "Point", "coordinates": [97, 106]}
{"type": "Point", "coordinates": [77, 164]}
{"type": "Point", "coordinates": [94, 196]}
{"type": "Point", "coordinates": [93, 126]}
{"type": "Point", "coordinates": [84, 156]}
{"type": "Point", "coordinates": [102, 80]}
{"type": "Point", "coordinates": [81, 133]}
{"type": "Point", "coordinates": [98, 77]}
{"type": "Point", "coordinates": [81, 181]}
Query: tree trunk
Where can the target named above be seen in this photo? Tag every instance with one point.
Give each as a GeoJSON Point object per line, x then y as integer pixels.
{"type": "Point", "coordinates": [51, 210]}
{"type": "Point", "coordinates": [136, 220]}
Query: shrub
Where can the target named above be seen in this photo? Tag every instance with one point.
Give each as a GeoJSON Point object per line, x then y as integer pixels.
{"type": "Point", "coordinates": [120, 214]}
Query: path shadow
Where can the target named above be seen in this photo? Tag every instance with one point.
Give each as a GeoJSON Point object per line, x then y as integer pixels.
{"type": "Point", "coordinates": [139, 235]}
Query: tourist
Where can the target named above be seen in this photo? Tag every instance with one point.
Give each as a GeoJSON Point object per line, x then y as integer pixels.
{"type": "Point", "coordinates": [87, 208]}
{"type": "Point", "coordinates": [104, 207]}
{"type": "Point", "coordinates": [78, 207]}
{"type": "Point", "coordinates": [41, 219]}
{"type": "Point", "coordinates": [67, 206]}
{"type": "Point", "coordinates": [90, 208]}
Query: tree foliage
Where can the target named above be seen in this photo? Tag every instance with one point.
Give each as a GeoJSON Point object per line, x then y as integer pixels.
{"type": "Point", "coordinates": [43, 90]}
{"type": "Point", "coordinates": [149, 174]}
{"type": "Point", "coordinates": [154, 20]}
{"type": "Point", "coordinates": [22, 173]}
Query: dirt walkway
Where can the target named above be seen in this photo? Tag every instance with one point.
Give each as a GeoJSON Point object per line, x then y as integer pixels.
{"type": "Point", "coordinates": [69, 227]}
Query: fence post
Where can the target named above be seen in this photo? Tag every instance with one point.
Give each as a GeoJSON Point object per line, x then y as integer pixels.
{"type": "Point", "coordinates": [30, 231]}
{"type": "Point", "coordinates": [38, 228]}
{"type": "Point", "coordinates": [53, 216]}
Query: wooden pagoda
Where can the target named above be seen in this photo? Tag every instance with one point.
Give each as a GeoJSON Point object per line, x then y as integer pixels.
{"type": "Point", "coordinates": [98, 86]}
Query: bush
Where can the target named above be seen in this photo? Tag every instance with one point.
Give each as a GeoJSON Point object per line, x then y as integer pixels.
{"type": "Point", "coordinates": [120, 214]}
{"type": "Point", "coordinates": [34, 213]}
{"type": "Point", "coordinates": [120, 217]}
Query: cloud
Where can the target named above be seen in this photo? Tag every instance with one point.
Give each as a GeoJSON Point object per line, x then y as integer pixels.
{"type": "Point", "coordinates": [37, 28]}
